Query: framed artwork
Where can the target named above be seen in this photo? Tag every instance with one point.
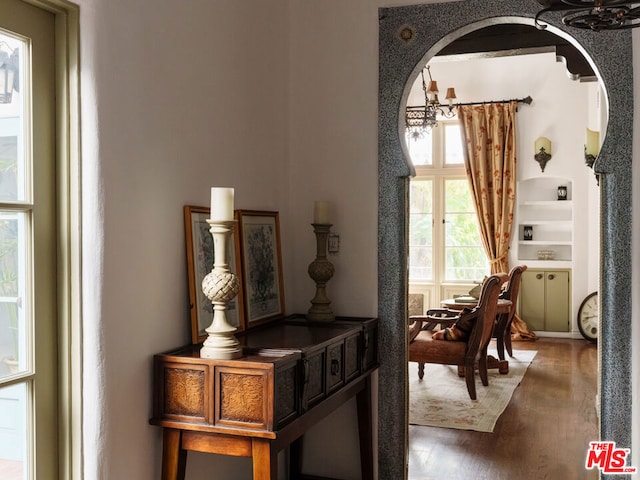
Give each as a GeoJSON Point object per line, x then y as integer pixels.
{"type": "Point", "coordinates": [200, 255]}
{"type": "Point", "coordinates": [261, 266]}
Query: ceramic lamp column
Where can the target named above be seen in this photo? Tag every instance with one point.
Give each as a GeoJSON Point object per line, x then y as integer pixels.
{"type": "Point", "coordinates": [220, 286]}
{"type": "Point", "coordinates": [321, 270]}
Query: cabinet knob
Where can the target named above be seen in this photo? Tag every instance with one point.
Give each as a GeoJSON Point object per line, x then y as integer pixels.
{"type": "Point", "coordinates": [539, 276]}
{"type": "Point", "coordinates": [551, 276]}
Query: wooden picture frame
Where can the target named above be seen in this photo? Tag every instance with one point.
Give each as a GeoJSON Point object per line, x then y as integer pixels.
{"type": "Point", "coordinates": [200, 255]}
{"type": "Point", "coordinates": [261, 260]}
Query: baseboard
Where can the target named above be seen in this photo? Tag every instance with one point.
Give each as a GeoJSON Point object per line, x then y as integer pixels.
{"type": "Point", "coordinates": [571, 335]}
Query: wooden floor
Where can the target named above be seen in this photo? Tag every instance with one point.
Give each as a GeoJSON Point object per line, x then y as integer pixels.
{"type": "Point", "coordinates": [543, 434]}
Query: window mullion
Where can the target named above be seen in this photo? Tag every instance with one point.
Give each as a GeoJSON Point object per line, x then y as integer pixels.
{"type": "Point", "coordinates": [438, 231]}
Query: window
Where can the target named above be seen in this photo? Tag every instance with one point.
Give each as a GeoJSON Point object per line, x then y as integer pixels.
{"type": "Point", "coordinates": [444, 239]}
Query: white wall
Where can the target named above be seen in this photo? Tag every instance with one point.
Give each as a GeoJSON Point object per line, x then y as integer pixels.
{"type": "Point", "coordinates": [278, 99]}
{"type": "Point", "coordinates": [177, 97]}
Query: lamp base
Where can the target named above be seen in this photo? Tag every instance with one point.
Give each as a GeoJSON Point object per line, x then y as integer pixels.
{"type": "Point", "coordinates": [221, 346]}
{"type": "Point", "coordinates": [322, 318]}
{"type": "Point", "coordinates": [321, 313]}
{"type": "Point", "coordinates": [220, 286]}
{"type": "Point", "coordinates": [321, 270]}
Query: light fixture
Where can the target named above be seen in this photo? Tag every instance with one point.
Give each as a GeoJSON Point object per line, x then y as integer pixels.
{"type": "Point", "coordinates": [420, 120]}
{"type": "Point", "coordinates": [596, 15]}
{"type": "Point", "coordinates": [221, 285]}
{"type": "Point", "coordinates": [542, 151]}
{"type": "Point", "coordinates": [321, 270]}
{"type": "Point", "coordinates": [8, 72]}
{"type": "Point", "coordinates": [592, 147]}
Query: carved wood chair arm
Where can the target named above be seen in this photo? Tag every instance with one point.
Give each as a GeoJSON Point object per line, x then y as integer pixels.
{"type": "Point", "coordinates": [415, 329]}
{"type": "Point", "coordinates": [417, 323]}
{"type": "Point", "coordinates": [442, 312]}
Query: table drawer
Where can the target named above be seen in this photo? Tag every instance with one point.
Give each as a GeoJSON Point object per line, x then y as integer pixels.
{"type": "Point", "coordinates": [227, 393]}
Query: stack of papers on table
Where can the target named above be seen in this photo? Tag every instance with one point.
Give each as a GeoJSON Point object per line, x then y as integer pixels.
{"type": "Point", "coordinates": [465, 299]}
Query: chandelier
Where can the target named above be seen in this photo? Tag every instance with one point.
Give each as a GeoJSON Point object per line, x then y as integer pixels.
{"type": "Point", "coordinates": [421, 119]}
{"type": "Point", "coordinates": [596, 15]}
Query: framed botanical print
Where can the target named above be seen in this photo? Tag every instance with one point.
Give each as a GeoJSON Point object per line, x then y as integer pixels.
{"type": "Point", "coordinates": [261, 260]}
{"type": "Point", "coordinates": [200, 257]}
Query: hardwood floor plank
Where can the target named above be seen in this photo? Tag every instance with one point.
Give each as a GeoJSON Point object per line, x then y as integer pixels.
{"type": "Point", "coordinates": [544, 433]}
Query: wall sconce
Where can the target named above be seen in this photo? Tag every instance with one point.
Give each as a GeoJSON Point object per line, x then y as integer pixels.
{"type": "Point", "coordinates": [592, 147]}
{"type": "Point", "coordinates": [542, 151]}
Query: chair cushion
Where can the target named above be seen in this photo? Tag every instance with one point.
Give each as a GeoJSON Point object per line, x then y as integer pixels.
{"type": "Point", "coordinates": [426, 350]}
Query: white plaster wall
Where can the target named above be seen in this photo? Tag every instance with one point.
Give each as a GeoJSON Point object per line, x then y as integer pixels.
{"type": "Point", "coordinates": [278, 99]}
{"type": "Point", "coordinates": [177, 97]}
{"type": "Point", "coordinates": [334, 157]}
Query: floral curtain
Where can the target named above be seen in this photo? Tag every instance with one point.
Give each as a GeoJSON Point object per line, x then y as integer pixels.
{"type": "Point", "coordinates": [489, 141]}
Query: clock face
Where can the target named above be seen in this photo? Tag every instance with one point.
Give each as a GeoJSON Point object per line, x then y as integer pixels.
{"type": "Point", "coordinates": [588, 317]}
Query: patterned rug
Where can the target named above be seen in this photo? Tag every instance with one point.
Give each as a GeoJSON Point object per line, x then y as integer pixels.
{"type": "Point", "coordinates": [441, 398]}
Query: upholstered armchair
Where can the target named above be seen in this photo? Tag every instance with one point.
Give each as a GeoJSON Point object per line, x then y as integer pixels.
{"type": "Point", "coordinates": [466, 353]}
{"type": "Point", "coordinates": [502, 331]}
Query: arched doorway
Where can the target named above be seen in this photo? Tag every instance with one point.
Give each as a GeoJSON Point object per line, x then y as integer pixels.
{"type": "Point", "coordinates": [410, 34]}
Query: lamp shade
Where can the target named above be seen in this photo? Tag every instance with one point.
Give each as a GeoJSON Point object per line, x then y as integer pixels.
{"type": "Point", "coordinates": [451, 93]}
{"type": "Point", "coordinates": [592, 146]}
{"type": "Point", "coordinates": [222, 204]}
{"type": "Point", "coordinates": [321, 213]}
{"type": "Point", "coordinates": [543, 143]}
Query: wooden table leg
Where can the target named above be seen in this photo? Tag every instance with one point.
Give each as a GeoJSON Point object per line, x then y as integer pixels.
{"type": "Point", "coordinates": [174, 458]}
{"type": "Point", "coordinates": [265, 461]}
{"type": "Point", "coordinates": [295, 459]}
{"type": "Point", "coordinates": [363, 402]}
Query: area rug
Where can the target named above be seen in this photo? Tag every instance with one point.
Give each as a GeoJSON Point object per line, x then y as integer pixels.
{"type": "Point", "coordinates": [441, 398]}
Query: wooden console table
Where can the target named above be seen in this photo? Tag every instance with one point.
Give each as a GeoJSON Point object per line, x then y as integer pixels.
{"type": "Point", "coordinates": [293, 374]}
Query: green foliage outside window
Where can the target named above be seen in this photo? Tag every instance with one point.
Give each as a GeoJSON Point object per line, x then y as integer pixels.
{"type": "Point", "coordinates": [465, 257]}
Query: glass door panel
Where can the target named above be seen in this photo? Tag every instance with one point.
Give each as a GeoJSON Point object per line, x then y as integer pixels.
{"type": "Point", "coordinates": [421, 231]}
{"type": "Point", "coordinates": [16, 319]}
{"type": "Point", "coordinates": [465, 259]}
{"type": "Point", "coordinates": [13, 432]}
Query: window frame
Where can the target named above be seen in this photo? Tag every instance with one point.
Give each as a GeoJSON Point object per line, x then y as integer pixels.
{"type": "Point", "coordinates": [68, 328]}
{"type": "Point", "coordinates": [69, 191]}
{"type": "Point", "coordinates": [438, 172]}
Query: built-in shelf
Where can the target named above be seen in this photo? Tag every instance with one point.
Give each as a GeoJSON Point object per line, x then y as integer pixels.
{"type": "Point", "coordinates": [542, 242]}
{"type": "Point", "coordinates": [548, 203]}
{"type": "Point", "coordinates": [545, 224]}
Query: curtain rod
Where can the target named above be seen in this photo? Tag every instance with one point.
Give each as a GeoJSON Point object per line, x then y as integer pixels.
{"type": "Point", "coordinates": [527, 100]}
